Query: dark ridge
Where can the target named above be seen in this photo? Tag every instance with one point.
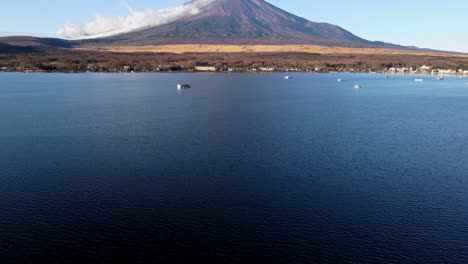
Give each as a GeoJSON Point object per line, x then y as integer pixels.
{"type": "Point", "coordinates": [25, 44]}
{"type": "Point", "coordinates": [9, 49]}
{"type": "Point", "coordinates": [26, 41]}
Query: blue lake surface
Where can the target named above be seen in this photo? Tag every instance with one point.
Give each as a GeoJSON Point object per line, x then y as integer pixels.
{"type": "Point", "coordinates": [241, 168]}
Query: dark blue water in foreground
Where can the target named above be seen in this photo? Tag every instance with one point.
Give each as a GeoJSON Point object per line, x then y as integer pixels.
{"type": "Point", "coordinates": [241, 168]}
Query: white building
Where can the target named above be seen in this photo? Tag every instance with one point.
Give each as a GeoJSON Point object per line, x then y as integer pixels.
{"type": "Point", "coordinates": [444, 71]}
{"type": "Point", "coordinates": [267, 69]}
{"type": "Point", "coordinates": [205, 68]}
{"type": "Point", "coordinates": [425, 68]}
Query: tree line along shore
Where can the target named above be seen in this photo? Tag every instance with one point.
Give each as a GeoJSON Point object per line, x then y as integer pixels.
{"type": "Point", "coordinates": [92, 61]}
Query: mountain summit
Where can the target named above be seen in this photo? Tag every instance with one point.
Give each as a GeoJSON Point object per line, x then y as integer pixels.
{"type": "Point", "coordinates": [239, 22]}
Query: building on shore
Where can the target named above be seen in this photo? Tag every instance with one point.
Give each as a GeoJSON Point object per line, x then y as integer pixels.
{"type": "Point", "coordinates": [205, 68]}
{"type": "Point", "coordinates": [267, 69]}
{"type": "Point", "coordinates": [424, 68]}
{"type": "Point", "coordinates": [448, 72]}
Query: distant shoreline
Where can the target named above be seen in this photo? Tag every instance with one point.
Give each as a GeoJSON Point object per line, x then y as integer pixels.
{"type": "Point", "coordinates": [241, 72]}
{"type": "Point", "coordinates": [66, 60]}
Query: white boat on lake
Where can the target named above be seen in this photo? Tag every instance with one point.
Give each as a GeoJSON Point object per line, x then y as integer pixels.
{"type": "Point", "coordinates": [419, 80]}
{"type": "Point", "coordinates": [288, 77]}
{"type": "Point", "coordinates": [183, 86]}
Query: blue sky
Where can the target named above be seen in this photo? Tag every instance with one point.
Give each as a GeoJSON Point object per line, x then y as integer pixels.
{"type": "Point", "coordinates": [428, 24]}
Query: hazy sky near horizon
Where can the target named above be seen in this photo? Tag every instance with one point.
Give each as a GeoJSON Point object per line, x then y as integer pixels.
{"type": "Point", "coordinates": [427, 24]}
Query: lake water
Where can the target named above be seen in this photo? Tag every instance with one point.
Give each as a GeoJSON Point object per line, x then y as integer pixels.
{"type": "Point", "coordinates": [240, 168]}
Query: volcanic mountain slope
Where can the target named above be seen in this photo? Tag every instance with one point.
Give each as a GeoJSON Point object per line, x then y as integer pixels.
{"type": "Point", "coordinates": [218, 22]}
{"type": "Point", "coordinates": [240, 22]}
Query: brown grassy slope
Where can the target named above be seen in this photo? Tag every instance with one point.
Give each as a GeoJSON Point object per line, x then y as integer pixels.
{"type": "Point", "coordinates": [208, 48]}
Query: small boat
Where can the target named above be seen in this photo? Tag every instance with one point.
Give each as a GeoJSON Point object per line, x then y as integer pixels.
{"type": "Point", "coordinates": [340, 80]}
{"type": "Point", "coordinates": [386, 77]}
{"type": "Point", "coordinates": [418, 80]}
{"type": "Point", "coordinates": [441, 78]}
{"type": "Point", "coordinates": [183, 86]}
{"type": "Point", "coordinates": [288, 77]}
{"type": "Point", "coordinates": [357, 86]}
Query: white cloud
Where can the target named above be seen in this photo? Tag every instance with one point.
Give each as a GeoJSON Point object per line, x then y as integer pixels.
{"type": "Point", "coordinates": [102, 26]}
{"type": "Point", "coordinates": [69, 30]}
